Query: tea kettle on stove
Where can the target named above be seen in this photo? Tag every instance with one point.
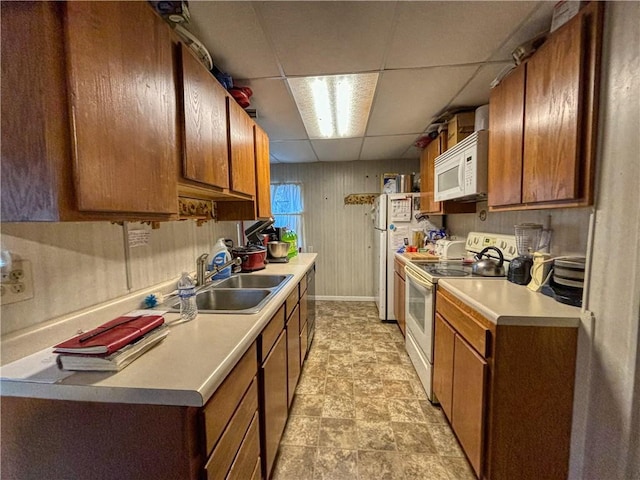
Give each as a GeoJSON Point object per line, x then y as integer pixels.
{"type": "Point", "coordinates": [488, 267]}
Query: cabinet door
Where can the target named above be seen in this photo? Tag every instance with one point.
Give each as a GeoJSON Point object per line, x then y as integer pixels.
{"type": "Point", "coordinates": [206, 155]}
{"type": "Point", "coordinates": [506, 127]}
{"type": "Point", "coordinates": [398, 301]}
{"type": "Point", "coordinates": [263, 174]}
{"type": "Point", "coordinates": [293, 352]}
{"type": "Point", "coordinates": [304, 343]}
{"type": "Point", "coordinates": [123, 107]}
{"type": "Point", "coordinates": [552, 118]}
{"type": "Point", "coordinates": [468, 404]}
{"type": "Point", "coordinates": [443, 364]}
{"type": "Point", "coordinates": [427, 163]}
{"type": "Point", "coordinates": [242, 162]}
{"type": "Point", "coordinates": [274, 411]}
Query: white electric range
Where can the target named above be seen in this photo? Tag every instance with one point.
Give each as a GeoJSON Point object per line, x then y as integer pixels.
{"type": "Point", "coordinates": [421, 284]}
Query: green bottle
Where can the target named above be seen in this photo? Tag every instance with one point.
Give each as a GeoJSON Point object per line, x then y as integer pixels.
{"type": "Point", "coordinates": [292, 239]}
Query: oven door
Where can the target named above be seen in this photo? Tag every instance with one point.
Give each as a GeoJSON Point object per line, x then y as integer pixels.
{"type": "Point", "coordinates": [419, 310]}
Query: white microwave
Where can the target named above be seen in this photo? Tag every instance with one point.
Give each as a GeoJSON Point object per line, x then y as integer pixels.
{"type": "Point", "coordinates": [461, 171]}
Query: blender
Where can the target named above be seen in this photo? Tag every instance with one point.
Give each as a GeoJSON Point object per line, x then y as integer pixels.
{"type": "Point", "coordinates": [528, 237]}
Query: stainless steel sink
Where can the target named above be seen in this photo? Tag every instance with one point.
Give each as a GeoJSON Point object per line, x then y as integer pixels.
{"type": "Point", "coordinates": [253, 281]}
{"type": "Point", "coordinates": [242, 294]}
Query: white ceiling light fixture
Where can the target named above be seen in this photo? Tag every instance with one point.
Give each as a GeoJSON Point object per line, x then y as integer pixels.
{"type": "Point", "coordinates": [334, 106]}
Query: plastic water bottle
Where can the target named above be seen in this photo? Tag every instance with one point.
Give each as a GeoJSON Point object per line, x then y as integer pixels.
{"type": "Point", "coordinates": [187, 294]}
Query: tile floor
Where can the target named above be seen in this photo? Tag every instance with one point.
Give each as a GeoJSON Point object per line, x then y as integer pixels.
{"type": "Point", "coordinates": [360, 411]}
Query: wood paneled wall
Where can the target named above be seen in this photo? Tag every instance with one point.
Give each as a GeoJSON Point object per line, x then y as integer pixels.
{"type": "Point", "coordinates": [570, 225]}
{"type": "Point", "coordinates": [342, 235]}
{"type": "Point", "coordinates": [77, 265]}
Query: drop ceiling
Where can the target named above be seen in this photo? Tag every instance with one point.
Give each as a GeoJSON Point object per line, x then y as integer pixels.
{"type": "Point", "coordinates": [432, 57]}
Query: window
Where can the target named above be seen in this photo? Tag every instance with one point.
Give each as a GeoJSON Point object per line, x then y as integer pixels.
{"type": "Point", "coordinates": [287, 207]}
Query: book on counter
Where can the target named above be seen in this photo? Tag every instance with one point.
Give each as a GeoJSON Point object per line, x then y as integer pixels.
{"type": "Point", "coordinates": [115, 361]}
{"type": "Point", "coordinates": [111, 336]}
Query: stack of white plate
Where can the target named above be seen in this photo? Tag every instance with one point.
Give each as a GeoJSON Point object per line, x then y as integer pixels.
{"type": "Point", "coordinates": [569, 272]}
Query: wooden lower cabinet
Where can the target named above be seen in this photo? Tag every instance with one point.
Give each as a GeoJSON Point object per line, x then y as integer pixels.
{"type": "Point", "coordinates": [468, 402]}
{"type": "Point", "coordinates": [304, 343]}
{"type": "Point", "coordinates": [70, 439]}
{"type": "Point", "coordinates": [274, 401]}
{"type": "Point", "coordinates": [444, 339]}
{"type": "Point", "coordinates": [507, 391]}
{"type": "Point", "coordinates": [399, 293]}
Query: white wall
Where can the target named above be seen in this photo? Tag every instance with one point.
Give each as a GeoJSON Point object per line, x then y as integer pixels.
{"type": "Point", "coordinates": [342, 235]}
{"type": "Point", "coordinates": [77, 265]}
{"type": "Point", "coordinates": [607, 406]}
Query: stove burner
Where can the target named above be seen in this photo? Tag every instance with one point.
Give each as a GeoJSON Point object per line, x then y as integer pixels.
{"type": "Point", "coordinates": [448, 272]}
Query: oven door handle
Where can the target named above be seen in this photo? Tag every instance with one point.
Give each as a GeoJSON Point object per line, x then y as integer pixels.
{"type": "Point", "coordinates": [421, 282]}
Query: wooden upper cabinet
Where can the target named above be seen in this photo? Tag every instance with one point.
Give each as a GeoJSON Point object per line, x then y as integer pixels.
{"type": "Point", "coordinates": [206, 148]}
{"type": "Point", "coordinates": [263, 174]}
{"type": "Point", "coordinates": [427, 164]}
{"type": "Point", "coordinates": [543, 121]}
{"type": "Point", "coordinates": [91, 134]}
{"type": "Point", "coordinates": [242, 161]}
{"type": "Point", "coordinates": [552, 118]}
{"type": "Point", "coordinates": [122, 100]}
{"type": "Point", "coordinates": [506, 126]}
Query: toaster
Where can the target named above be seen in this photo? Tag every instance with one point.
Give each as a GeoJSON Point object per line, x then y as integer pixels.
{"type": "Point", "coordinates": [450, 249]}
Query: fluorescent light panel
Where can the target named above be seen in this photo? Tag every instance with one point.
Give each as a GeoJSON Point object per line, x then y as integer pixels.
{"type": "Point", "coordinates": [334, 106]}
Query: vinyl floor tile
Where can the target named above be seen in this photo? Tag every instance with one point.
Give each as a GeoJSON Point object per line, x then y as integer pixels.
{"type": "Point", "coordinates": [360, 411]}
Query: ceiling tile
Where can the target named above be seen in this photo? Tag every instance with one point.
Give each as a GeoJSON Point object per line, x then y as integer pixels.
{"type": "Point", "coordinates": [539, 21]}
{"type": "Point", "coordinates": [277, 112]}
{"type": "Point", "coordinates": [451, 33]}
{"type": "Point", "coordinates": [337, 150]}
{"type": "Point", "coordinates": [313, 38]}
{"type": "Point", "coordinates": [407, 100]}
{"type": "Point", "coordinates": [234, 38]}
{"type": "Point", "coordinates": [295, 151]}
{"type": "Point", "coordinates": [476, 92]}
{"type": "Point", "coordinates": [388, 147]}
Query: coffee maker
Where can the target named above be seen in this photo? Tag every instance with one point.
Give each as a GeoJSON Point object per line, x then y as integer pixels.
{"type": "Point", "coordinates": [528, 237]}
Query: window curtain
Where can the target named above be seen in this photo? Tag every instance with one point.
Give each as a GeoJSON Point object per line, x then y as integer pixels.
{"type": "Point", "coordinates": [287, 208]}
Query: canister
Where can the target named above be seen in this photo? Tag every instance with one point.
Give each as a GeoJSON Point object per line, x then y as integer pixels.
{"type": "Point", "coordinates": [404, 183]}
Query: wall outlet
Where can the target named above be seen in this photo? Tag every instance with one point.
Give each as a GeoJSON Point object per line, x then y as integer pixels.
{"type": "Point", "coordinates": [17, 283]}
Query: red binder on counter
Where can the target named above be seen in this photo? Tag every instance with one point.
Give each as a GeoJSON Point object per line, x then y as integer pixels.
{"type": "Point", "coordinates": [111, 336]}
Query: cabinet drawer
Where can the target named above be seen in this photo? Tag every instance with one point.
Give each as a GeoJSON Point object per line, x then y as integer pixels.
{"type": "Point", "coordinates": [270, 333]}
{"type": "Point", "coordinates": [245, 463]}
{"type": "Point", "coordinates": [230, 441]}
{"type": "Point", "coordinates": [474, 332]}
{"type": "Point", "coordinates": [303, 285]}
{"type": "Point", "coordinates": [292, 301]}
{"type": "Point", "coordinates": [218, 411]}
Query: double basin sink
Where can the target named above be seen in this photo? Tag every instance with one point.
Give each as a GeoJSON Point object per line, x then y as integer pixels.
{"type": "Point", "coordinates": [244, 293]}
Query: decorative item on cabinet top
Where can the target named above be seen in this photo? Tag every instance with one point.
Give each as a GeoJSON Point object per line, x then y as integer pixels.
{"type": "Point", "coordinates": [201, 210]}
{"type": "Point", "coordinates": [360, 198]}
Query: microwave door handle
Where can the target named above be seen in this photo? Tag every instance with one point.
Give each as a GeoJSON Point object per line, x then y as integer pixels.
{"type": "Point", "coordinates": [461, 174]}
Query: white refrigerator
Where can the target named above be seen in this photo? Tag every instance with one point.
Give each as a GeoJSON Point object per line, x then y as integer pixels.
{"type": "Point", "coordinates": [393, 219]}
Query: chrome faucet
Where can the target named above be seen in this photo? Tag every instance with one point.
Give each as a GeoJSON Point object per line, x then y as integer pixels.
{"type": "Point", "coordinates": [203, 275]}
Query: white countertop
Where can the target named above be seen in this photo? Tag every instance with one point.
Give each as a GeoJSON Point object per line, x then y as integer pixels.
{"type": "Point", "coordinates": [505, 303]}
{"type": "Point", "coordinates": [185, 369]}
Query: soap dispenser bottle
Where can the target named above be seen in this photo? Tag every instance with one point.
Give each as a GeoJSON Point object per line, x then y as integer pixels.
{"type": "Point", "coordinates": [220, 256]}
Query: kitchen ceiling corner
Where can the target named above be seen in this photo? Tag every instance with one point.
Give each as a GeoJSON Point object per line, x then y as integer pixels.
{"type": "Point", "coordinates": [431, 56]}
